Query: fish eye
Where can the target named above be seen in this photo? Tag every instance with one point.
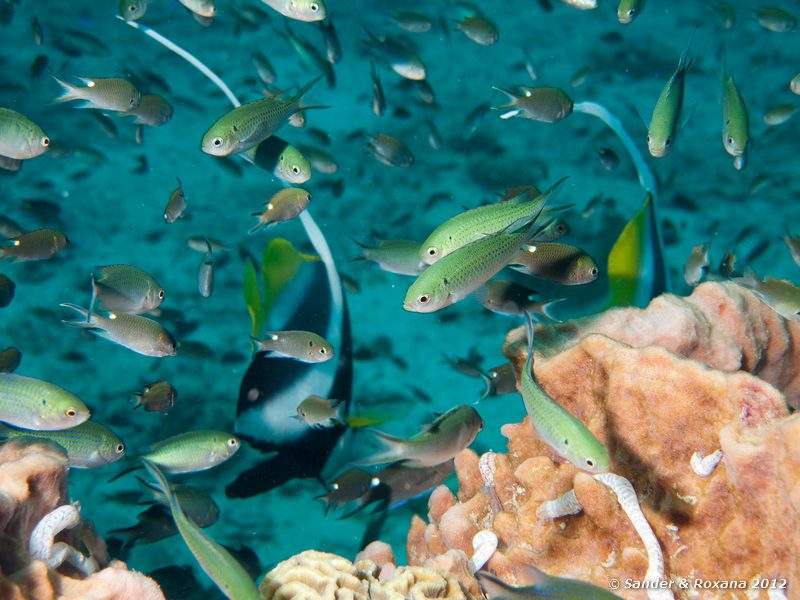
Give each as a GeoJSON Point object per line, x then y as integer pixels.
{"type": "Point", "coordinates": [323, 350]}
{"type": "Point", "coordinates": [589, 463]}
{"type": "Point", "coordinates": [71, 412]}
{"type": "Point", "coordinates": [233, 442]}
{"type": "Point", "coordinates": [667, 142]}
{"type": "Point", "coordinates": [432, 251]}
{"type": "Point", "coordinates": [131, 8]}
{"type": "Point", "coordinates": [730, 140]}
{"type": "Point", "coordinates": [423, 298]}
{"type": "Point", "coordinates": [216, 142]}
{"type": "Point", "coordinates": [308, 197]}
{"type": "Point", "coordinates": [314, 7]}
{"type": "Point", "coordinates": [45, 141]}
{"type": "Point", "coordinates": [296, 170]}
{"type": "Point", "coordinates": [594, 272]}
{"type": "Point", "coordinates": [648, 138]}
{"type": "Point", "coordinates": [161, 294]}
{"type": "Point", "coordinates": [566, 442]}
{"type": "Point", "coordinates": [561, 228]}
{"type": "Point", "coordinates": [631, 12]}
{"type": "Point", "coordinates": [120, 448]}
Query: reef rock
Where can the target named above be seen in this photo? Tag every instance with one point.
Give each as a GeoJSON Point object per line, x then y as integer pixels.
{"type": "Point", "coordinates": [653, 408]}
{"type": "Point", "coordinates": [722, 325]}
{"type": "Point", "coordinates": [319, 575]}
{"type": "Point", "coordinates": [33, 482]}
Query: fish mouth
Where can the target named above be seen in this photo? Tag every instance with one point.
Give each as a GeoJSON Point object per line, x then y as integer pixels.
{"type": "Point", "coordinates": [657, 151]}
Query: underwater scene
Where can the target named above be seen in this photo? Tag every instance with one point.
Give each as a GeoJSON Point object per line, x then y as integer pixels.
{"type": "Point", "coordinates": [418, 299]}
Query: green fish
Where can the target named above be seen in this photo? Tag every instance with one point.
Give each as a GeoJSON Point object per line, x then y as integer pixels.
{"type": "Point", "coordinates": [477, 223]}
{"type": "Point", "coordinates": [542, 585]}
{"type": "Point", "coordinates": [192, 451]}
{"type": "Point", "coordinates": [565, 434]}
{"type": "Point", "coordinates": [224, 570]}
{"type": "Point", "coordinates": [34, 404]}
{"type": "Point", "coordinates": [140, 334]}
{"type": "Point", "coordinates": [394, 256]}
{"type": "Point", "coordinates": [460, 273]}
{"type": "Point", "coordinates": [21, 138]}
{"type": "Point", "coordinates": [735, 127]}
{"type": "Point", "coordinates": [277, 156]}
{"type": "Point", "coordinates": [250, 124]}
{"type": "Point", "coordinates": [304, 346]}
{"type": "Point", "coordinates": [112, 93]}
{"type": "Point", "coordinates": [628, 10]}
{"type": "Point", "coordinates": [438, 442]}
{"type": "Point", "coordinates": [665, 122]}
{"type": "Point", "coordinates": [88, 445]}
{"type": "Point", "coordinates": [562, 263]}
{"type": "Point", "coordinates": [780, 295]}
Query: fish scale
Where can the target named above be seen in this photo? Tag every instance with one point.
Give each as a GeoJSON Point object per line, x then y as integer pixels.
{"type": "Point", "coordinates": [479, 222]}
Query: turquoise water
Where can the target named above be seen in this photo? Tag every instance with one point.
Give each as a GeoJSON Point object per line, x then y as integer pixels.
{"type": "Point", "coordinates": [111, 208]}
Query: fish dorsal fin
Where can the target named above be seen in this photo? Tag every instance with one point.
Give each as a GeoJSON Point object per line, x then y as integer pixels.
{"type": "Point", "coordinates": [529, 575]}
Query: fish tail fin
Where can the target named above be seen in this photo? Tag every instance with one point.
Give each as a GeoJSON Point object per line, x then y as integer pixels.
{"type": "Point", "coordinates": [487, 390]}
{"type": "Point", "coordinates": [512, 97]}
{"type": "Point", "coordinates": [68, 91]}
{"type": "Point", "coordinates": [547, 308]}
{"type": "Point", "coordinates": [258, 225]}
{"type": "Point", "coordinates": [137, 399]}
{"type": "Point", "coordinates": [390, 449]}
{"type": "Point", "coordinates": [83, 313]}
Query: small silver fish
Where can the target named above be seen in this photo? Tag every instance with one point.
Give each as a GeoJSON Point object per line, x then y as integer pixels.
{"type": "Point", "coordinates": [153, 111]}
{"type": "Point", "coordinates": [394, 256]}
{"type": "Point", "coordinates": [780, 295]}
{"type": "Point", "coordinates": [607, 157]}
{"type": "Point", "coordinates": [140, 334]}
{"type": "Point", "coordinates": [378, 99]}
{"type": "Point", "coordinates": [412, 22]}
{"type": "Point", "coordinates": [510, 298]}
{"type": "Point", "coordinates": [125, 289]}
{"type": "Point", "coordinates": [780, 113]}
{"type": "Point", "coordinates": [437, 443]}
{"type": "Point", "coordinates": [264, 68]}
{"type": "Point", "coordinates": [545, 104]}
{"type": "Point", "coordinates": [304, 346]}
{"type": "Point", "coordinates": [205, 274]}
{"type": "Point", "coordinates": [389, 150]}
{"type": "Point", "coordinates": [793, 243]}
{"type": "Point", "coordinates": [112, 93]}
{"type": "Point", "coordinates": [319, 413]}
{"type": "Point", "coordinates": [176, 204]}
{"type": "Point", "coordinates": [696, 265]}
